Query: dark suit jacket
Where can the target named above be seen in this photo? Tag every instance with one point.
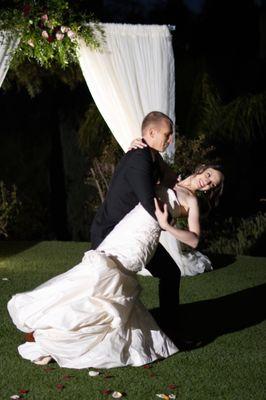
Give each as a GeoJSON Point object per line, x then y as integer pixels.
{"type": "Point", "coordinates": [133, 181]}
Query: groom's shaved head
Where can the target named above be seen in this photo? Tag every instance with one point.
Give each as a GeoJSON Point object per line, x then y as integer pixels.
{"type": "Point", "coordinates": [157, 130]}
{"type": "Point", "coordinates": [154, 118]}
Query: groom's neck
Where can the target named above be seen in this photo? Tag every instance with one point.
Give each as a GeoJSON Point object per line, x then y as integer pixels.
{"type": "Point", "coordinates": [153, 151]}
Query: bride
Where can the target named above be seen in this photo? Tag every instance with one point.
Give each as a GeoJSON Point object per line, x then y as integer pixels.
{"type": "Point", "coordinates": [91, 315]}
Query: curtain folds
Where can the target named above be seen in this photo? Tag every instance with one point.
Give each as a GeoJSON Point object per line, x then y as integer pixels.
{"type": "Point", "coordinates": [7, 45]}
{"type": "Point", "coordinates": [131, 76]}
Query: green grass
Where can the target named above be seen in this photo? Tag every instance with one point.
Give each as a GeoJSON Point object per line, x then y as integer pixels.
{"type": "Point", "coordinates": [223, 309]}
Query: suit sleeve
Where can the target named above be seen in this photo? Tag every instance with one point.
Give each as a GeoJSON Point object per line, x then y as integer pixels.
{"type": "Point", "coordinates": [139, 175]}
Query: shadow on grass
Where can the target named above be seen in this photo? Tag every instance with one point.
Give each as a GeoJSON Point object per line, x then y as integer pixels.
{"type": "Point", "coordinates": [221, 260]}
{"type": "Point", "coordinates": [203, 321]}
{"type": "Point", "coordinates": [9, 248]}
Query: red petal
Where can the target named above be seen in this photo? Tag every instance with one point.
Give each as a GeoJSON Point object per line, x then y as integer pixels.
{"type": "Point", "coordinates": [67, 377]}
{"type": "Point", "coordinates": [59, 386]}
{"type": "Point", "coordinates": [106, 391]}
{"type": "Point", "coordinates": [147, 366]}
{"type": "Point", "coordinates": [23, 391]}
{"type": "Point", "coordinates": [172, 386]}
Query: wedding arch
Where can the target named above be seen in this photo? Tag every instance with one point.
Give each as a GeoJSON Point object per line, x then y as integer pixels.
{"type": "Point", "coordinates": [130, 75]}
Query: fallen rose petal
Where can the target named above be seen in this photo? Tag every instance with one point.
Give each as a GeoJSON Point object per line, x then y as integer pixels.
{"type": "Point", "coordinates": [67, 377]}
{"type": "Point", "coordinates": [106, 391]}
{"type": "Point", "coordinates": [94, 373]}
{"type": "Point", "coordinates": [163, 396]}
{"type": "Point", "coordinates": [117, 395]}
{"type": "Point", "coordinates": [59, 386]}
{"type": "Point", "coordinates": [14, 396]}
{"type": "Point", "coordinates": [23, 391]}
{"type": "Point", "coordinates": [108, 376]}
{"type": "Point", "coordinates": [147, 366]}
{"type": "Point", "coordinates": [5, 279]}
{"type": "Point", "coordinates": [172, 386]}
{"type": "Point", "coordinates": [171, 396]}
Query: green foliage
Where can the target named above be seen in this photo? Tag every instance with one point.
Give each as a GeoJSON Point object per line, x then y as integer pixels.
{"type": "Point", "coordinates": [34, 78]}
{"type": "Point", "coordinates": [190, 153]}
{"type": "Point", "coordinates": [238, 236]}
{"type": "Point", "coordinates": [241, 120]}
{"type": "Point", "coordinates": [9, 207]}
{"type": "Point", "coordinates": [48, 32]}
{"type": "Point", "coordinates": [102, 151]}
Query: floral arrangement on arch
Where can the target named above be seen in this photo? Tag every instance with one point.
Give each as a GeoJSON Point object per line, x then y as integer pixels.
{"type": "Point", "coordinates": [49, 31]}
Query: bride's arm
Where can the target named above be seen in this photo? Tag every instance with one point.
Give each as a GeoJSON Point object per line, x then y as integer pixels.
{"type": "Point", "coordinates": [190, 236]}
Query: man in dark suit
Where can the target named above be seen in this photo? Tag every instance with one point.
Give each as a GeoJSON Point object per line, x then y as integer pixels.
{"type": "Point", "coordinates": [133, 182]}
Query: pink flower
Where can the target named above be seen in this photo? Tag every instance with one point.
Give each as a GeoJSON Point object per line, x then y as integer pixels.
{"type": "Point", "coordinates": [71, 35]}
{"type": "Point", "coordinates": [44, 17]}
{"type": "Point", "coordinates": [59, 35]}
{"type": "Point", "coordinates": [45, 34]}
{"type": "Point", "coordinates": [64, 29]}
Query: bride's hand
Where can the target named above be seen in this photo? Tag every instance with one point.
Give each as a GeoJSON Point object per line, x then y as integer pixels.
{"type": "Point", "coordinates": [161, 216]}
{"type": "Point", "coordinates": [137, 144]}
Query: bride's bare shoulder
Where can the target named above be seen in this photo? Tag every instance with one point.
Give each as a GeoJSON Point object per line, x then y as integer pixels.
{"type": "Point", "coordinates": [186, 198]}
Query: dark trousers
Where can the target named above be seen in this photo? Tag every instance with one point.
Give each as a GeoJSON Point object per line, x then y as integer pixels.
{"type": "Point", "coordinates": [162, 266]}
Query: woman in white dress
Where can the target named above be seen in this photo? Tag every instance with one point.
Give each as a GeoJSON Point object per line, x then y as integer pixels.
{"type": "Point", "coordinates": [91, 315]}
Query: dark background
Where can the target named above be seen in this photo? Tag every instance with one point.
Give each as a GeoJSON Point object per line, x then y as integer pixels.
{"type": "Point", "coordinates": [39, 150]}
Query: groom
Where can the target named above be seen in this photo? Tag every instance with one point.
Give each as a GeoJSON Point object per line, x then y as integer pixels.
{"type": "Point", "coordinates": [134, 181]}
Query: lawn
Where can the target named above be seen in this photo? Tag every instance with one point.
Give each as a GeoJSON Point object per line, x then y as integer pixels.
{"type": "Point", "coordinates": [223, 310]}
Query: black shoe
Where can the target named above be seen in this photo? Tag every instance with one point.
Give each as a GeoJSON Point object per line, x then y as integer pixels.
{"type": "Point", "coordinates": [182, 342]}
{"type": "Point", "coordinates": [187, 344]}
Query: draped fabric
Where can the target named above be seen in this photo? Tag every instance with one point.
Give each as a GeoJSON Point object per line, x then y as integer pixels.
{"type": "Point", "coordinates": [7, 45]}
{"type": "Point", "coordinates": [131, 76]}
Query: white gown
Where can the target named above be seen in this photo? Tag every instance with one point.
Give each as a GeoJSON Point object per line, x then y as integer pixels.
{"type": "Point", "coordinates": [91, 315]}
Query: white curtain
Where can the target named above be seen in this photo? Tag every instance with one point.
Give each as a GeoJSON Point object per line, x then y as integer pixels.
{"type": "Point", "coordinates": [131, 76]}
{"type": "Point", "coordinates": [7, 45]}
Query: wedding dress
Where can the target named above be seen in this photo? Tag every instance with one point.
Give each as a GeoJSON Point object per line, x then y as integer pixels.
{"type": "Point", "coordinates": [91, 315]}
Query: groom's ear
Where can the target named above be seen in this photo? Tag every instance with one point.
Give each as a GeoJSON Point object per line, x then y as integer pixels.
{"type": "Point", "coordinates": [151, 132]}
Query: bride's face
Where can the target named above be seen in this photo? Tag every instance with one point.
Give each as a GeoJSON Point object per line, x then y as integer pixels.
{"type": "Point", "coordinates": [208, 179]}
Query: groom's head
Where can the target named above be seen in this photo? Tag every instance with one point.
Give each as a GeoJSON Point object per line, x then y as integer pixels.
{"type": "Point", "coordinates": [157, 130]}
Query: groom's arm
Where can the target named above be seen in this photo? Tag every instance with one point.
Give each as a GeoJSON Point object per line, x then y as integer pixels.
{"type": "Point", "coordinates": [168, 176]}
{"type": "Point", "coordinates": [139, 175]}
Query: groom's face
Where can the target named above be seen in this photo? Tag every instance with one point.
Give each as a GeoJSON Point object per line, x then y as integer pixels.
{"type": "Point", "coordinates": [161, 135]}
